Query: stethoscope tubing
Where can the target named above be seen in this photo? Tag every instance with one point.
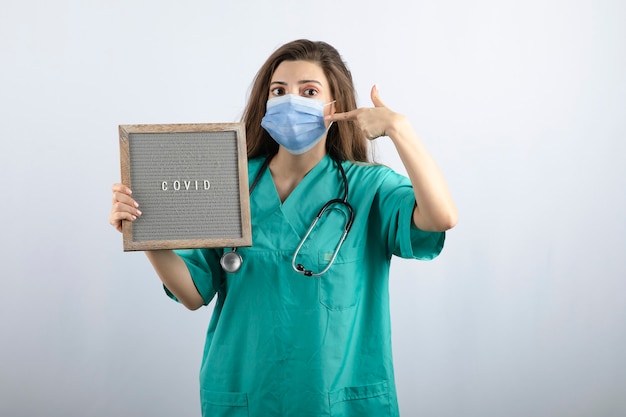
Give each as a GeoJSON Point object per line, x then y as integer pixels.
{"type": "Point", "coordinates": [299, 267]}
{"type": "Point", "coordinates": [232, 261]}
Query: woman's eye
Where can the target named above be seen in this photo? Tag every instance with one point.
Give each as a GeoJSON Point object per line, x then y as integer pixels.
{"type": "Point", "coordinates": [278, 91]}
{"type": "Point", "coordinates": [310, 92]}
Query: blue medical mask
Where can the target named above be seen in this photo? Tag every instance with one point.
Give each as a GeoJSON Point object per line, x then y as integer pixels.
{"type": "Point", "coordinates": [294, 122]}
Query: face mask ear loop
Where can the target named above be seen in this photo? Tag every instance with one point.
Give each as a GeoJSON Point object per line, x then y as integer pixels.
{"type": "Point", "coordinates": [331, 123]}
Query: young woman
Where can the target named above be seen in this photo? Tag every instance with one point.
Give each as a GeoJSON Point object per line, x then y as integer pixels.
{"type": "Point", "coordinates": [301, 324]}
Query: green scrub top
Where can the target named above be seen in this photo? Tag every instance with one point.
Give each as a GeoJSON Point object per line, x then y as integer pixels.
{"type": "Point", "coordinates": [283, 344]}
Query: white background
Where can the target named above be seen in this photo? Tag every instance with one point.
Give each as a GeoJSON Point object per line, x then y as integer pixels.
{"type": "Point", "coordinates": [522, 103]}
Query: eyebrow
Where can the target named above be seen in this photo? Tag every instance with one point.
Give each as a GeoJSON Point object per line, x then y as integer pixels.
{"type": "Point", "coordinates": [299, 82]}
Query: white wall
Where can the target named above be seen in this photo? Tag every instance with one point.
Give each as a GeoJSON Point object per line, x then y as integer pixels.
{"type": "Point", "coordinates": [522, 103]}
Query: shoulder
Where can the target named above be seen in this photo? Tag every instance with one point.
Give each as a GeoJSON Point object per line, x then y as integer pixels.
{"type": "Point", "coordinates": [364, 168]}
{"type": "Point", "coordinates": [254, 166]}
{"type": "Point", "coordinates": [255, 163]}
{"type": "Point", "coordinates": [371, 173]}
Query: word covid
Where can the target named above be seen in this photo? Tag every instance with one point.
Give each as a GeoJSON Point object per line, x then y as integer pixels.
{"type": "Point", "coordinates": [185, 185]}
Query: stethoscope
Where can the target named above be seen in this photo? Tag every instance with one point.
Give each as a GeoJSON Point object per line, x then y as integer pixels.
{"type": "Point", "coordinates": [231, 261]}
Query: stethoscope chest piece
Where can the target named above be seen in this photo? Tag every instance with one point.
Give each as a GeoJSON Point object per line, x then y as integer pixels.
{"type": "Point", "coordinates": [231, 261]}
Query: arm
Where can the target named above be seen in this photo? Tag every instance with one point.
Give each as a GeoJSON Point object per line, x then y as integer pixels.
{"type": "Point", "coordinates": [170, 268]}
{"type": "Point", "coordinates": [434, 210]}
{"type": "Point", "coordinates": [174, 274]}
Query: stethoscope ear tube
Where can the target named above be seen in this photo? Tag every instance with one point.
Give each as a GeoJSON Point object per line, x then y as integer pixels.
{"type": "Point", "coordinates": [350, 220]}
{"type": "Point", "coordinates": [299, 267]}
{"type": "Point", "coordinates": [344, 203]}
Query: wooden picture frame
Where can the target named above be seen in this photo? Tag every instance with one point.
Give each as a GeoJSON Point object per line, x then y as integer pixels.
{"type": "Point", "coordinates": [191, 183]}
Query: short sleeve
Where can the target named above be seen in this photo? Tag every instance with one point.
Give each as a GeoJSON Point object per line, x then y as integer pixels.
{"type": "Point", "coordinates": [203, 266]}
{"type": "Point", "coordinates": [411, 242]}
{"type": "Point", "coordinates": [404, 239]}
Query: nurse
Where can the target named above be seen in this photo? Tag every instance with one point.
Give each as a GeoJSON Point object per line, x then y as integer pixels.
{"type": "Point", "coordinates": [301, 327]}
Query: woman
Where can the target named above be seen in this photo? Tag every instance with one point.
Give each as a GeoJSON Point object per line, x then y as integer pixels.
{"type": "Point", "coordinates": [302, 327]}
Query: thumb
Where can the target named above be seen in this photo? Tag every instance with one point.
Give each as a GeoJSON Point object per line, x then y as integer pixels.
{"type": "Point", "coordinates": [376, 97]}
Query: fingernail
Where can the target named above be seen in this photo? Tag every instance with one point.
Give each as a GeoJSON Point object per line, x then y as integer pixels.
{"type": "Point", "coordinates": [133, 217]}
{"type": "Point", "coordinates": [138, 212]}
{"type": "Point", "coordinates": [136, 204]}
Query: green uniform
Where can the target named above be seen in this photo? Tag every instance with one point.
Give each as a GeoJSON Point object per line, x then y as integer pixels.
{"type": "Point", "coordinates": [284, 344]}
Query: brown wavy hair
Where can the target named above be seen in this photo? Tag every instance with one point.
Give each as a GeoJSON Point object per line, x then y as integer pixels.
{"type": "Point", "coordinates": [345, 141]}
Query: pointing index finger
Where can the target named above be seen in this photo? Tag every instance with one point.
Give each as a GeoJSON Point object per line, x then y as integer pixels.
{"type": "Point", "coordinates": [335, 117]}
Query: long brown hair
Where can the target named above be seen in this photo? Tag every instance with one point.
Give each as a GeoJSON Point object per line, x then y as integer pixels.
{"type": "Point", "coordinates": [345, 141]}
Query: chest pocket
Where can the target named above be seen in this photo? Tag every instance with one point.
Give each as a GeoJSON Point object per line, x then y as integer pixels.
{"type": "Point", "coordinates": [341, 286]}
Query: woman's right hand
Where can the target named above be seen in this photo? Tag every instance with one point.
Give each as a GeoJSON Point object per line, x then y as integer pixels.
{"type": "Point", "coordinates": [124, 207]}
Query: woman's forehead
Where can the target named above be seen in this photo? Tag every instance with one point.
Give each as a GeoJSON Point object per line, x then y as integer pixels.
{"type": "Point", "coordinates": [296, 71]}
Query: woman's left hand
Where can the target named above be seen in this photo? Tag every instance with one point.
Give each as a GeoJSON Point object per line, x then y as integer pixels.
{"type": "Point", "coordinates": [374, 121]}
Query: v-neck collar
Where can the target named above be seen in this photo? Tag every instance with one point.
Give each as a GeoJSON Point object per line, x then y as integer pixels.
{"type": "Point", "coordinates": [302, 186]}
{"type": "Point", "coordinates": [302, 204]}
